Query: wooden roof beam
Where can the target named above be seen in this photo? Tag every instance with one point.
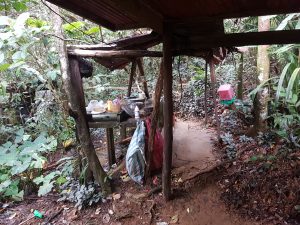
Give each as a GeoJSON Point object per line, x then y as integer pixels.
{"type": "Point", "coordinates": [114, 54]}
{"type": "Point", "coordinates": [238, 39]}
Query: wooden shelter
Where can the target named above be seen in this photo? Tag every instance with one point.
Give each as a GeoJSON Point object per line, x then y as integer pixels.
{"type": "Point", "coordinates": [186, 28]}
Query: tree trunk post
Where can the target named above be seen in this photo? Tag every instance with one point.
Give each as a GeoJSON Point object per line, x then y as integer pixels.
{"type": "Point", "coordinates": [240, 78]}
{"type": "Point", "coordinates": [168, 114]}
{"type": "Point", "coordinates": [142, 72]}
{"type": "Point", "coordinates": [110, 146]}
{"type": "Point", "coordinates": [214, 90]}
{"type": "Point", "coordinates": [70, 68]}
{"type": "Point", "coordinates": [131, 77]}
{"type": "Point", "coordinates": [263, 68]}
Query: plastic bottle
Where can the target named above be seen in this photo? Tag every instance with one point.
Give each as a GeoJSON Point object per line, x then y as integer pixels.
{"type": "Point", "coordinates": [136, 113]}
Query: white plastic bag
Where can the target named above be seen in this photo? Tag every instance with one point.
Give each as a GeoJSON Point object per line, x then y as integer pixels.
{"type": "Point", "coordinates": [135, 157]}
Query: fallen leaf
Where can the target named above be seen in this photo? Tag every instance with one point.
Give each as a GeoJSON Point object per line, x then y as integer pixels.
{"type": "Point", "coordinates": [174, 219]}
{"type": "Point", "coordinates": [106, 218]}
{"type": "Point", "coordinates": [116, 196]}
{"type": "Point", "coordinates": [97, 212]}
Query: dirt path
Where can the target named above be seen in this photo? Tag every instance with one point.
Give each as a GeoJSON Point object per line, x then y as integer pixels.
{"type": "Point", "coordinates": [195, 203]}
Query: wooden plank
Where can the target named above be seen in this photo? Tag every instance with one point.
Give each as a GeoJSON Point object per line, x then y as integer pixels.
{"type": "Point", "coordinates": [168, 114]}
{"type": "Point", "coordinates": [115, 53]}
{"type": "Point", "coordinates": [132, 74]}
{"type": "Point", "coordinates": [238, 39]}
{"type": "Point", "coordinates": [110, 146]}
{"type": "Point", "coordinates": [142, 72]}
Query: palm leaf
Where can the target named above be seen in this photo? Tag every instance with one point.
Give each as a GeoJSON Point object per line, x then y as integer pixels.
{"type": "Point", "coordinates": [281, 80]}
{"type": "Point", "coordinates": [289, 90]}
{"type": "Point", "coordinates": [283, 24]}
{"type": "Point", "coordinates": [259, 87]}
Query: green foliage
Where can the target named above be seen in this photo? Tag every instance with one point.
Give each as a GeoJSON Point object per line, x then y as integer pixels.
{"type": "Point", "coordinates": [81, 195]}
{"type": "Point", "coordinates": [21, 159]}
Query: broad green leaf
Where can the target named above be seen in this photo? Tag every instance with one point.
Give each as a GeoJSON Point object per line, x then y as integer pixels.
{"type": "Point", "coordinates": [19, 196]}
{"type": "Point", "coordinates": [21, 21]}
{"type": "Point", "coordinates": [52, 74]}
{"type": "Point", "coordinates": [259, 87]}
{"type": "Point", "coordinates": [4, 67]}
{"type": "Point", "coordinates": [298, 25]}
{"type": "Point", "coordinates": [284, 23]}
{"type": "Point", "coordinates": [93, 30]}
{"type": "Point", "coordinates": [4, 185]}
{"type": "Point", "coordinates": [281, 80]}
{"type": "Point", "coordinates": [19, 55]}
{"type": "Point", "coordinates": [73, 26]}
{"type": "Point", "coordinates": [1, 57]}
{"type": "Point", "coordinates": [45, 188]}
{"type": "Point", "coordinates": [4, 21]}
{"type": "Point", "coordinates": [289, 90]}
{"type": "Point", "coordinates": [19, 6]}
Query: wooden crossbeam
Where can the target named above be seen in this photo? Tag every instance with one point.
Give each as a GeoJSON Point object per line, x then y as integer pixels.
{"type": "Point", "coordinates": [239, 39]}
{"type": "Point", "coordinates": [114, 54]}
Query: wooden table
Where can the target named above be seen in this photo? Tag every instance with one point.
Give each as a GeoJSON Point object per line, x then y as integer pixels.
{"type": "Point", "coordinates": [110, 121]}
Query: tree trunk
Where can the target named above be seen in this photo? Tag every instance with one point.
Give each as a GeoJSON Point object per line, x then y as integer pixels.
{"type": "Point", "coordinates": [240, 78]}
{"type": "Point", "coordinates": [77, 105]}
{"type": "Point", "coordinates": [263, 68]}
{"type": "Point", "coordinates": [168, 114]}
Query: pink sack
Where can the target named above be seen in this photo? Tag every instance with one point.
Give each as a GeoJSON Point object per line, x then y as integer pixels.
{"type": "Point", "coordinates": [158, 146]}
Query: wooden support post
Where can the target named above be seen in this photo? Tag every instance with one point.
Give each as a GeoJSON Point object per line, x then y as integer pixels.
{"type": "Point", "coordinates": [205, 93]}
{"type": "Point", "coordinates": [72, 83]}
{"type": "Point", "coordinates": [132, 74]}
{"type": "Point", "coordinates": [142, 72]}
{"type": "Point", "coordinates": [214, 90]}
{"type": "Point", "coordinates": [154, 118]}
{"type": "Point", "coordinates": [110, 146]}
{"type": "Point", "coordinates": [168, 114]}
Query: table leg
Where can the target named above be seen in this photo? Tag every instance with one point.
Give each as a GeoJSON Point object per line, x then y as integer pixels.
{"type": "Point", "coordinates": [110, 146]}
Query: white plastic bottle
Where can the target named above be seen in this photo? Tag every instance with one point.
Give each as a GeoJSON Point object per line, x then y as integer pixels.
{"type": "Point", "coordinates": [136, 113]}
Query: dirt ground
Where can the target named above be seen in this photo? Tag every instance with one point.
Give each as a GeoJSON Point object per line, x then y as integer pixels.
{"type": "Point", "coordinates": [196, 200]}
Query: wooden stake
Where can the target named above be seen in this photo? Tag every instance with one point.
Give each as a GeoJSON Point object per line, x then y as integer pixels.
{"type": "Point", "coordinates": [132, 74]}
{"type": "Point", "coordinates": [168, 114]}
{"type": "Point", "coordinates": [142, 72]}
{"type": "Point", "coordinates": [213, 84]}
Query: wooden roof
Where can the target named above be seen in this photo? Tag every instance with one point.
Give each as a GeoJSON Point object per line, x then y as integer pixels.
{"type": "Point", "coordinates": [129, 14]}
{"type": "Point", "coordinates": [194, 24]}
